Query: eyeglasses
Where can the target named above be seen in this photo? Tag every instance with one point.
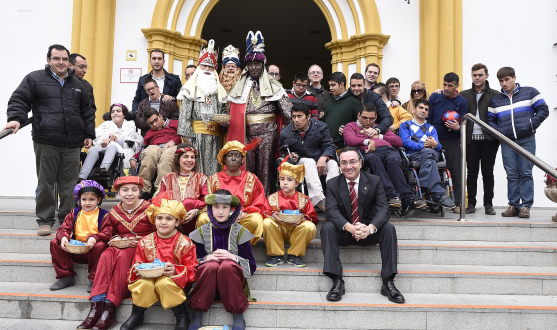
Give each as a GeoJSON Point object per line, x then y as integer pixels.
{"type": "Point", "coordinates": [415, 91]}
{"type": "Point", "coordinates": [59, 59]}
{"type": "Point", "coordinates": [151, 123]}
{"type": "Point", "coordinates": [352, 163]}
{"type": "Point", "coordinates": [274, 74]}
{"type": "Point", "coordinates": [315, 72]}
{"type": "Point", "coordinates": [394, 86]}
{"type": "Point", "coordinates": [83, 67]}
{"type": "Point", "coordinates": [152, 89]}
{"type": "Point", "coordinates": [301, 86]}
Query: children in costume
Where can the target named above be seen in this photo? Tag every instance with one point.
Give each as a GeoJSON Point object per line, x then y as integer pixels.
{"type": "Point", "coordinates": [176, 251]}
{"type": "Point", "coordinates": [128, 219]}
{"type": "Point", "coordinates": [82, 224]}
{"type": "Point", "coordinates": [275, 231]}
{"type": "Point", "coordinates": [225, 259]}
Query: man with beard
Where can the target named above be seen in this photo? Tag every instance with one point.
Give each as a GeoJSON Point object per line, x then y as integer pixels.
{"type": "Point", "coordinates": [230, 72]}
{"type": "Point", "coordinates": [255, 101]}
{"type": "Point", "coordinates": [202, 97]}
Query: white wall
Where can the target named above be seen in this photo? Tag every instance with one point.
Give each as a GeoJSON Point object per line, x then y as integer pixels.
{"type": "Point", "coordinates": [401, 55]}
{"type": "Point", "coordinates": [24, 46]}
{"type": "Point", "coordinates": [521, 37]}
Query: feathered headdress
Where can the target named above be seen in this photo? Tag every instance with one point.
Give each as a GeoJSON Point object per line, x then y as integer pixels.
{"type": "Point", "coordinates": [237, 146]}
{"type": "Point", "coordinates": [298, 172]}
{"type": "Point", "coordinates": [255, 47]}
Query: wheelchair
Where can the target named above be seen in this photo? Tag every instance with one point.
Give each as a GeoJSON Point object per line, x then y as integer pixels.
{"type": "Point", "coordinates": [115, 170]}
{"type": "Point", "coordinates": [411, 170]}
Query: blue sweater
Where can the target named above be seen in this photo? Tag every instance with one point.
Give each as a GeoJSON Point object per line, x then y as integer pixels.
{"type": "Point", "coordinates": [414, 135]}
{"type": "Point", "coordinates": [441, 104]}
{"type": "Point", "coordinates": [519, 116]}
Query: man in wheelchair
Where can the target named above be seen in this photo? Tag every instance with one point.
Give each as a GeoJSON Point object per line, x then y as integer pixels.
{"type": "Point", "coordinates": [420, 140]}
{"type": "Point", "coordinates": [381, 157]}
{"type": "Point", "coordinates": [157, 154]}
{"type": "Point", "coordinates": [311, 145]}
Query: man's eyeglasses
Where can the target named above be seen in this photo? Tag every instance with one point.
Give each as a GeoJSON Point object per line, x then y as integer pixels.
{"type": "Point", "coordinates": [301, 86]}
{"type": "Point", "coordinates": [58, 59]}
{"type": "Point", "coordinates": [315, 72]}
{"type": "Point", "coordinates": [151, 123]}
{"type": "Point", "coordinates": [274, 74]}
{"type": "Point", "coordinates": [152, 89]}
{"type": "Point", "coordinates": [83, 67]}
{"type": "Point", "coordinates": [352, 162]}
{"type": "Point", "coordinates": [416, 91]}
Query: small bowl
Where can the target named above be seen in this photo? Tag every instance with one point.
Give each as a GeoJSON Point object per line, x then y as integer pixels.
{"type": "Point", "coordinates": [291, 218]}
{"type": "Point", "coordinates": [222, 118]}
{"type": "Point", "coordinates": [151, 273]}
{"type": "Point", "coordinates": [77, 249]}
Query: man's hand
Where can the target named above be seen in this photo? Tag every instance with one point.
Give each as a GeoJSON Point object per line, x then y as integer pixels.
{"type": "Point", "coordinates": [168, 145]}
{"type": "Point", "coordinates": [438, 91]}
{"type": "Point", "coordinates": [87, 143]}
{"type": "Point", "coordinates": [166, 98]}
{"type": "Point", "coordinates": [12, 125]}
{"type": "Point", "coordinates": [370, 147]}
{"type": "Point", "coordinates": [341, 129]}
{"type": "Point", "coordinates": [370, 132]}
{"type": "Point", "coordinates": [395, 103]}
{"type": "Point", "coordinates": [430, 143]}
{"type": "Point", "coordinates": [91, 242]}
{"type": "Point", "coordinates": [452, 125]}
{"type": "Point", "coordinates": [321, 165]}
{"type": "Point", "coordinates": [295, 157]}
{"type": "Point", "coordinates": [169, 269]}
{"type": "Point", "coordinates": [133, 164]}
{"type": "Point", "coordinates": [190, 215]}
{"type": "Point", "coordinates": [362, 231]}
{"type": "Point", "coordinates": [321, 114]}
{"type": "Point", "coordinates": [392, 128]}
{"type": "Point", "coordinates": [63, 243]}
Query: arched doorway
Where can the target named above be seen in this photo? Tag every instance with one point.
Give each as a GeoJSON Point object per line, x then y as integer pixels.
{"type": "Point", "coordinates": [295, 33]}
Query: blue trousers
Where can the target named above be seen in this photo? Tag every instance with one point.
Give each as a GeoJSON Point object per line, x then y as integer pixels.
{"type": "Point", "coordinates": [385, 162]}
{"type": "Point", "coordinates": [520, 183]}
{"type": "Point", "coordinates": [429, 174]}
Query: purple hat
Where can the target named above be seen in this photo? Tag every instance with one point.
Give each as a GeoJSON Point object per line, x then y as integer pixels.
{"type": "Point", "coordinates": [255, 47]}
{"type": "Point", "coordinates": [88, 186]}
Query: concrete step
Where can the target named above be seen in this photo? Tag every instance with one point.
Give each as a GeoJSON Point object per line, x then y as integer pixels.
{"type": "Point", "coordinates": [457, 279]}
{"type": "Point", "coordinates": [311, 310]}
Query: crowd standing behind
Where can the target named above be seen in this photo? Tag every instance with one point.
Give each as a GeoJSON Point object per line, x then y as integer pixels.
{"type": "Point", "coordinates": [341, 144]}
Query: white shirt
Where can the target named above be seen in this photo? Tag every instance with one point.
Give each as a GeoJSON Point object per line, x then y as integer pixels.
{"type": "Point", "coordinates": [160, 82]}
{"type": "Point", "coordinates": [372, 228]}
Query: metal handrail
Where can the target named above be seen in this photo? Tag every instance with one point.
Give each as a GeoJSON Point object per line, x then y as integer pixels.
{"type": "Point", "coordinates": [503, 139]}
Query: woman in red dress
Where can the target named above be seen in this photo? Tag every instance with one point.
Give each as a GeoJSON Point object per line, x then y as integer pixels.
{"type": "Point", "coordinates": [186, 184]}
{"type": "Point", "coordinates": [128, 219]}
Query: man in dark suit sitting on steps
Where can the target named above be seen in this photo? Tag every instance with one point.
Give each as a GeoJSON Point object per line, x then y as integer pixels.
{"type": "Point", "coordinates": [358, 214]}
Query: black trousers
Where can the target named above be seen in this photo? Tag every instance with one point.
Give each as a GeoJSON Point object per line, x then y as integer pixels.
{"type": "Point", "coordinates": [332, 240]}
{"type": "Point", "coordinates": [481, 153]}
{"type": "Point", "coordinates": [454, 161]}
{"type": "Point", "coordinates": [385, 162]}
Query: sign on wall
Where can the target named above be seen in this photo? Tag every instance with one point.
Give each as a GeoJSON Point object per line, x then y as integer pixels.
{"type": "Point", "coordinates": [131, 55]}
{"type": "Point", "coordinates": [130, 75]}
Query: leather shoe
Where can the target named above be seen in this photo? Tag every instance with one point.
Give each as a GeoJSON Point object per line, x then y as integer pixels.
{"type": "Point", "coordinates": [337, 291]}
{"type": "Point", "coordinates": [390, 291]}
{"type": "Point", "coordinates": [490, 210]}
{"type": "Point", "coordinates": [93, 316]}
{"type": "Point", "coordinates": [108, 317]}
{"type": "Point", "coordinates": [470, 209]}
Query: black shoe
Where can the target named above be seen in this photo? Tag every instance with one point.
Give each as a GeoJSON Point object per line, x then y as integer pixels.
{"type": "Point", "coordinates": [490, 210]}
{"type": "Point", "coordinates": [103, 172]}
{"type": "Point", "coordinates": [470, 209]}
{"type": "Point", "coordinates": [407, 207]}
{"type": "Point", "coordinates": [337, 291]}
{"type": "Point", "coordinates": [182, 317]}
{"type": "Point", "coordinates": [390, 291]}
{"type": "Point", "coordinates": [446, 202]}
{"type": "Point", "coordinates": [90, 287]}
{"type": "Point", "coordinates": [295, 261]}
{"type": "Point", "coordinates": [135, 320]}
{"type": "Point", "coordinates": [64, 282]}
{"type": "Point", "coordinates": [274, 261]}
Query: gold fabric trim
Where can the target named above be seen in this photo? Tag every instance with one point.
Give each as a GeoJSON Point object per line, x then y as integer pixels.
{"type": "Point", "coordinates": [210, 128]}
{"type": "Point", "coordinates": [150, 247]}
{"type": "Point", "coordinates": [248, 189]}
{"type": "Point", "coordinates": [261, 118]}
{"type": "Point", "coordinates": [274, 202]}
{"type": "Point", "coordinates": [213, 183]}
{"type": "Point", "coordinates": [129, 225]}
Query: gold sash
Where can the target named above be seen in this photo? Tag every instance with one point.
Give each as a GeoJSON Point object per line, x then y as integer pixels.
{"type": "Point", "coordinates": [211, 128]}
{"type": "Point", "coordinates": [261, 118]}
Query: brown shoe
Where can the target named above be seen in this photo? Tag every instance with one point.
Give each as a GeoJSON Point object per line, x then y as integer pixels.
{"type": "Point", "coordinates": [107, 319]}
{"type": "Point", "coordinates": [524, 212]}
{"type": "Point", "coordinates": [321, 205]}
{"type": "Point", "coordinates": [456, 209]}
{"type": "Point", "coordinates": [511, 211]}
{"type": "Point", "coordinates": [44, 230]}
{"type": "Point", "coordinates": [93, 316]}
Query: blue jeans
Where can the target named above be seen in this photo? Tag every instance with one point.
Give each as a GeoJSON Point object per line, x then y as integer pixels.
{"type": "Point", "coordinates": [520, 183]}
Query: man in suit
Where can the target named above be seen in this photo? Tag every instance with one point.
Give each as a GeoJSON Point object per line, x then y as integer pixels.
{"type": "Point", "coordinates": [358, 214]}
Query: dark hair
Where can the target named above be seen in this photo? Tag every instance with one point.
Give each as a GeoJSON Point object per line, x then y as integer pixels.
{"type": "Point", "coordinates": [125, 110]}
{"type": "Point", "coordinates": [176, 163]}
{"type": "Point", "coordinates": [81, 192]}
{"type": "Point", "coordinates": [149, 113]}
{"type": "Point", "coordinates": [223, 192]}
{"type": "Point", "coordinates": [368, 107]}
{"type": "Point", "coordinates": [190, 66]}
{"type": "Point", "coordinates": [451, 77]}
{"type": "Point", "coordinates": [301, 77]}
{"type": "Point", "coordinates": [392, 80]}
{"type": "Point", "coordinates": [505, 71]}
{"type": "Point", "coordinates": [347, 149]}
{"type": "Point", "coordinates": [381, 88]}
{"type": "Point", "coordinates": [479, 66]}
{"type": "Point", "coordinates": [57, 47]}
{"type": "Point", "coordinates": [300, 107]}
{"type": "Point", "coordinates": [74, 56]}
{"type": "Point", "coordinates": [149, 80]}
{"type": "Point", "coordinates": [375, 65]}
{"type": "Point", "coordinates": [357, 76]}
{"type": "Point", "coordinates": [156, 50]}
{"type": "Point", "coordinates": [338, 77]}
{"type": "Point", "coordinates": [422, 101]}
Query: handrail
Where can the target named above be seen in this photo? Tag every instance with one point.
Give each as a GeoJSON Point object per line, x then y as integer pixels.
{"type": "Point", "coordinates": [503, 139]}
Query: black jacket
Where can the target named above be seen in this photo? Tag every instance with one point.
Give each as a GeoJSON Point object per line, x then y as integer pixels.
{"type": "Point", "coordinates": [172, 85]}
{"type": "Point", "coordinates": [89, 89]}
{"type": "Point", "coordinates": [318, 141]}
{"type": "Point", "coordinates": [62, 116]}
{"type": "Point", "coordinates": [483, 103]}
{"type": "Point", "coordinates": [322, 97]}
{"type": "Point", "coordinates": [373, 207]}
{"type": "Point", "coordinates": [384, 118]}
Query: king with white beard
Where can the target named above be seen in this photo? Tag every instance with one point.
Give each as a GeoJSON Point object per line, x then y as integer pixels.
{"type": "Point", "coordinates": [202, 97]}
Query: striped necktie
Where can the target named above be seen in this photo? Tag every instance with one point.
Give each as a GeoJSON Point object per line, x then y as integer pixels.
{"type": "Point", "coordinates": [354, 205]}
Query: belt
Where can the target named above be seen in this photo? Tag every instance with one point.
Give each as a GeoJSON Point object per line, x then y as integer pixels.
{"type": "Point", "coordinates": [478, 137]}
{"type": "Point", "coordinates": [261, 118]}
{"type": "Point", "coordinates": [210, 128]}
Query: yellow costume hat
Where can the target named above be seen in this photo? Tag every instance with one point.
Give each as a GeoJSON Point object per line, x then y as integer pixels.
{"type": "Point", "coordinates": [235, 145]}
{"type": "Point", "coordinates": [296, 171]}
{"type": "Point", "coordinates": [163, 204]}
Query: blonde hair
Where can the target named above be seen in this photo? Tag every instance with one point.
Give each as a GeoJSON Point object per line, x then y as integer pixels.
{"type": "Point", "coordinates": [418, 84]}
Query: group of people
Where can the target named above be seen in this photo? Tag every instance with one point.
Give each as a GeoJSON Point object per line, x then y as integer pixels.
{"type": "Point", "coordinates": [200, 217]}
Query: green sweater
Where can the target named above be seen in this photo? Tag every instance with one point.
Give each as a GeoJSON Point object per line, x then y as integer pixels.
{"type": "Point", "coordinates": [340, 112]}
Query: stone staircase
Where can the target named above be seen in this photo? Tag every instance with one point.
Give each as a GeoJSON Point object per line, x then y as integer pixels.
{"type": "Point", "coordinates": [487, 273]}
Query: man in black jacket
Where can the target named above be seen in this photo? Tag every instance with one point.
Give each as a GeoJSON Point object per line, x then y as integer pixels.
{"type": "Point", "coordinates": [481, 148]}
{"type": "Point", "coordinates": [311, 145]}
{"type": "Point", "coordinates": [78, 64]}
{"type": "Point", "coordinates": [169, 84]}
{"type": "Point", "coordinates": [63, 122]}
{"type": "Point", "coordinates": [315, 74]}
{"type": "Point", "coordinates": [358, 214]}
{"type": "Point", "coordinates": [384, 118]}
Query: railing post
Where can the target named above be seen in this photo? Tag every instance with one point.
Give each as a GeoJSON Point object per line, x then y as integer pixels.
{"type": "Point", "coordinates": [463, 169]}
